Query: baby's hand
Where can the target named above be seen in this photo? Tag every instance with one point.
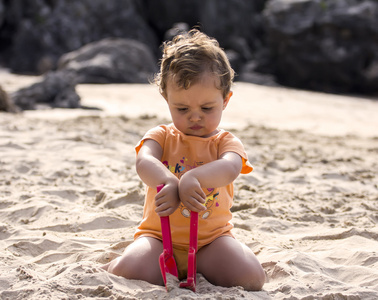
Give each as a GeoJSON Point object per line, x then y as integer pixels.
{"type": "Point", "coordinates": [167, 200]}
{"type": "Point", "coordinates": [191, 193]}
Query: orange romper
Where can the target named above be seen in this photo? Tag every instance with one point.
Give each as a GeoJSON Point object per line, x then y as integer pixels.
{"type": "Point", "coordinates": [182, 153]}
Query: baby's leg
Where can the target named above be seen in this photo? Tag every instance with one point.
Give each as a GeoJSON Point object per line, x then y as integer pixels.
{"type": "Point", "coordinates": [227, 262]}
{"type": "Point", "coordinates": [140, 260]}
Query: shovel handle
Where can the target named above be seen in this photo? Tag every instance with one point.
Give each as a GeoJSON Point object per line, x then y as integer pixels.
{"type": "Point", "coordinates": [165, 229]}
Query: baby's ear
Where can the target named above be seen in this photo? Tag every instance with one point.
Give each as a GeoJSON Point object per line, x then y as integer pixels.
{"type": "Point", "coordinates": [227, 99]}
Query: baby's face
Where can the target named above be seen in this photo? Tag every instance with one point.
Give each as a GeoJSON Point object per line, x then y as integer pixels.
{"type": "Point", "coordinates": [198, 110]}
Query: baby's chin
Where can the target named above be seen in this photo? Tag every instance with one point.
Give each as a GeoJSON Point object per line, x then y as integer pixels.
{"type": "Point", "coordinates": [203, 134]}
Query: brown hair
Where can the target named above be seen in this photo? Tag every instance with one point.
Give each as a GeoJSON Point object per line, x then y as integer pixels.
{"type": "Point", "coordinates": [189, 56]}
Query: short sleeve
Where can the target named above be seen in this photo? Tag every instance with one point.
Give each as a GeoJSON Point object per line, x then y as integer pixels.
{"type": "Point", "coordinates": [230, 143]}
{"type": "Point", "coordinates": [157, 134]}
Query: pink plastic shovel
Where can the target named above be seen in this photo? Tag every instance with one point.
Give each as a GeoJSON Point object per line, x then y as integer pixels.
{"type": "Point", "coordinates": [192, 259]}
{"type": "Point", "coordinates": [166, 260]}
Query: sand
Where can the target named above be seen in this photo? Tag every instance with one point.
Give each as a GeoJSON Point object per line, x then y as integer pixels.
{"type": "Point", "coordinates": [70, 198]}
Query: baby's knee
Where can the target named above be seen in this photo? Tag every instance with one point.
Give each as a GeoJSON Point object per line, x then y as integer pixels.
{"type": "Point", "coordinates": [256, 280]}
{"type": "Point", "coordinates": [250, 277]}
{"type": "Point", "coordinates": [117, 267]}
{"type": "Point", "coordinates": [134, 269]}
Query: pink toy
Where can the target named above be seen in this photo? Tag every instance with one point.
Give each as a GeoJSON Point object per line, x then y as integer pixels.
{"type": "Point", "coordinates": [166, 259]}
{"type": "Point", "coordinates": [192, 259]}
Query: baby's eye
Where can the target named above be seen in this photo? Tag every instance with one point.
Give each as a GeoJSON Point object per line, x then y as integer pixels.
{"type": "Point", "coordinates": [182, 109]}
{"type": "Point", "coordinates": [207, 108]}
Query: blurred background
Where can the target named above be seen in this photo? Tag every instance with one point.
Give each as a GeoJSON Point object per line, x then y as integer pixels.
{"type": "Point", "coordinates": [321, 45]}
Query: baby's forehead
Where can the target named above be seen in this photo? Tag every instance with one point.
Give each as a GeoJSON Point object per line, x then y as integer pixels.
{"type": "Point", "coordinates": [181, 81]}
{"type": "Point", "coordinates": [200, 91]}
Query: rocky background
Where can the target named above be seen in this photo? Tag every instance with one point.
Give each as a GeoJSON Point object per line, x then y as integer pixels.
{"type": "Point", "coordinates": [323, 45]}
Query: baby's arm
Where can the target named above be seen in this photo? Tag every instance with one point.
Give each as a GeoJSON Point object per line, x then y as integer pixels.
{"type": "Point", "coordinates": [215, 174]}
{"type": "Point", "coordinates": [153, 173]}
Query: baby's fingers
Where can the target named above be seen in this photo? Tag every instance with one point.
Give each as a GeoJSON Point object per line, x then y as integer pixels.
{"type": "Point", "coordinates": [165, 213]}
{"type": "Point", "coordinates": [194, 205]}
{"type": "Point", "coordinates": [164, 209]}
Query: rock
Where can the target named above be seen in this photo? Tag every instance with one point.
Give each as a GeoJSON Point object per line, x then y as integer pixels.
{"type": "Point", "coordinates": [51, 28]}
{"type": "Point", "coordinates": [232, 20]}
{"type": "Point", "coordinates": [57, 89]}
{"type": "Point", "coordinates": [325, 45]}
{"type": "Point", "coordinates": [237, 25]}
{"type": "Point", "coordinates": [250, 74]}
{"type": "Point", "coordinates": [235, 59]}
{"type": "Point", "coordinates": [163, 14]}
{"type": "Point", "coordinates": [5, 102]}
{"type": "Point", "coordinates": [111, 60]}
{"type": "Point", "coordinates": [2, 11]}
{"type": "Point", "coordinates": [178, 28]}
{"type": "Point", "coordinates": [328, 45]}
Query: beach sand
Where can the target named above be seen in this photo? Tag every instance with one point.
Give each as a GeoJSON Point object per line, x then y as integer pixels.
{"type": "Point", "coordinates": [70, 198]}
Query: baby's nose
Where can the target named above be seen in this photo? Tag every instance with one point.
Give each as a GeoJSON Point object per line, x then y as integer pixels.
{"type": "Point", "coordinates": [195, 117]}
